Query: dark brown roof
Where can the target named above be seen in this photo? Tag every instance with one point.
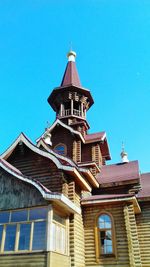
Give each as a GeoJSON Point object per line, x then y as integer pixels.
{"type": "Point", "coordinates": [145, 184]}
{"type": "Point", "coordinates": [71, 76]}
{"type": "Point", "coordinates": [94, 137]}
{"type": "Point", "coordinates": [120, 172]}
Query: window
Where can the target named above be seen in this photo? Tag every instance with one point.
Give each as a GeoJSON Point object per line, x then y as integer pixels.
{"type": "Point", "coordinates": [60, 149]}
{"type": "Point", "coordinates": [23, 230]}
{"type": "Point", "coordinates": [59, 234]}
{"type": "Point", "coordinates": [105, 236]}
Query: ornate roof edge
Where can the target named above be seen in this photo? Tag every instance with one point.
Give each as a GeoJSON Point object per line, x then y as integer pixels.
{"type": "Point", "coordinates": [57, 121]}
{"type": "Point", "coordinates": [83, 170]}
{"type": "Point", "coordinates": [46, 194]}
{"type": "Point", "coordinates": [70, 169]}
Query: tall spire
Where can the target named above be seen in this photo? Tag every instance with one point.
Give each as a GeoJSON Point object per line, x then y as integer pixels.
{"type": "Point", "coordinates": [71, 76]}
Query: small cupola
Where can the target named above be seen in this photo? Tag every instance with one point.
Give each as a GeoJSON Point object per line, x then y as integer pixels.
{"type": "Point", "coordinates": [124, 155]}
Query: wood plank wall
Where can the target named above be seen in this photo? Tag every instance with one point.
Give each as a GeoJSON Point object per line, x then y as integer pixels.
{"type": "Point", "coordinates": [132, 236]}
{"type": "Point", "coordinates": [143, 228]}
{"type": "Point", "coordinates": [58, 260]}
{"type": "Point", "coordinates": [77, 251]}
{"type": "Point", "coordinates": [35, 166]}
{"type": "Point", "coordinates": [89, 218]}
{"type": "Point", "coordinates": [24, 260]}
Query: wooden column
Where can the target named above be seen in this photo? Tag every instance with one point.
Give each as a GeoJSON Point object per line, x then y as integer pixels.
{"type": "Point", "coordinates": [61, 109]}
{"type": "Point", "coordinates": [74, 152]}
{"type": "Point", "coordinates": [71, 106]}
{"type": "Point", "coordinates": [82, 114]}
{"type": "Point", "coordinates": [132, 236]}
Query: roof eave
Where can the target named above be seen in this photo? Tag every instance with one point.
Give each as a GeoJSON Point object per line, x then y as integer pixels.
{"type": "Point", "coordinates": [132, 200]}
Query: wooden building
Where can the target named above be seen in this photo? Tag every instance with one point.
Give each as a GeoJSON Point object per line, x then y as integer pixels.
{"type": "Point", "coordinates": [61, 205]}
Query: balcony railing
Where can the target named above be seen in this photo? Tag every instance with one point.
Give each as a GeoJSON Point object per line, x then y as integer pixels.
{"type": "Point", "coordinates": [67, 112]}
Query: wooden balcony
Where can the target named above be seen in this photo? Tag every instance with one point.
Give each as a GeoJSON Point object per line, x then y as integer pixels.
{"type": "Point", "coordinates": [75, 112]}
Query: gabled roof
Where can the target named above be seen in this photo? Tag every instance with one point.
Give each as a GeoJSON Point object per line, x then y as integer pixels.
{"type": "Point", "coordinates": [145, 184]}
{"type": "Point", "coordinates": [68, 162]}
{"type": "Point", "coordinates": [46, 193]}
{"type": "Point", "coordinates": [59, 122]}
{"type": "Point", "coordinates": [119, 173]}
{"type": "Point", "coordinates": [58, 160]}
{"type": "Point", "coordinates": [88, 138]}
{"type": "Point", "coordinates": [71, 76]}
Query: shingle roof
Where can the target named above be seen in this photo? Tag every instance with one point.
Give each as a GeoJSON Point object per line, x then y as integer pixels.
{"type": "Point", "coordinates": [120, 172]}
{"type": "Point", "coordinates": [94, 137]}
{"type": "Point", "coordinates": [71, 76]}
{"type": "Point", "coordinates": [145, 184]}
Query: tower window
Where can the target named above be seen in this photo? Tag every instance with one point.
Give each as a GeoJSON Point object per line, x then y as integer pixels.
{"type": "Point", "coordinates": [61, 149]}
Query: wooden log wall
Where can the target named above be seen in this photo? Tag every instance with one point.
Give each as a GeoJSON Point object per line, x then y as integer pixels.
{"type": "Point", "coordinates": [74, 151]}
{"type": "Point", "coordinates": [89, 218]}
{"type": "Point", "coordinates": [96, 154]}
{"type": "Point", "coordinates": [143, 228]}
{"type": "Point", "coordinates": [132, 236]}
{"type": "Point", "coordinates": [36, 166]}
{"type": "Point", "coordinates": [77, 251]}
{"type": "Point", "coordinates": [24, 260]}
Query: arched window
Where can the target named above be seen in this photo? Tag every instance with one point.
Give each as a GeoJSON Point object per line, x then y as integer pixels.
{"type": "Point", "coordinates": [105, 235]}
{"type": "Point", "coordinates": [61, 149]}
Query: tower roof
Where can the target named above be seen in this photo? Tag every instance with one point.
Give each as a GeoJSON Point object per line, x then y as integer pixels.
{"type": "Point", "coordinates": [70, 83]}
{"type": "Point", "coordinates": [71, 76]}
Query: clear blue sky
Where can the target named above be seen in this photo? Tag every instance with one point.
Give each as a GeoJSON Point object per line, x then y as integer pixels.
{"type": "Point", "coordinates": [112, 41]}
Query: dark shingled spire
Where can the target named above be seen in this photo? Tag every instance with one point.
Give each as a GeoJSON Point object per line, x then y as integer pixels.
{"type": "Point", "coordinates": [71, 76]}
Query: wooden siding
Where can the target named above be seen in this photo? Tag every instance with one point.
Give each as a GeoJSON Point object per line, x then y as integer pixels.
{"type": "Point", "coordinates": [143, 228]}
{"type": "Point", "coordinates": [78, 151]}
{"type": "Point", "coordinates": [132, 236]}
{"type": "Point", "coordinates": [24, 260]}
{"type": "Point", "coordinates": [86, 152]}
{"type": "Point", "coordinates": [77, 250]}
{"type": "Point", "coordinates": [17, 194]}
{"type": "Point", "coordinates": [96, 154]}
{"type": "Point", "coordinates": [122, 257]}
{"type": "Point", "coordinates": [58, 260]}
{"type": "Point", "coordinates": [36, 166]}
{"type": "Point", "coordinates": [62, 135]}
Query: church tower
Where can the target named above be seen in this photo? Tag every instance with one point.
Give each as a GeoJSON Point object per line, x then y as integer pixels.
{"type": "Point", "coordinates": [68, 135]}
{"type": "Point", "coordinates": [70, 100]}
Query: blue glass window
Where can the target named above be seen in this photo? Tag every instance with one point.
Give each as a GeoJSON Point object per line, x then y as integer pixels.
{"type": "Point", "coordinates": [105, 234]}
{"type": "Point", "coordinates": [10, 237]}
{"type": "Point", "coordinates": [19, 216]}
{"type": "Point", "coordinates": [39, 213]}
{"type": "Point", "coordinates": [4, 217]}
{"type": "Point", "coordinates": [60, 149]}
{"type": "Point", "coordinates": [1, 232]}
{"type": "Point", "coordinates": [24, 238]}
{"type": "Point", "coordinates": [39, 236]}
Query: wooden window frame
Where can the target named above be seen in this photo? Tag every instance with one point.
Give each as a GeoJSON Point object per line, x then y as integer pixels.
{"type": "Point", "coordinates": [64, 226]}
{"type": "Point", "coordinates": [17, 235]}
{"type": "Point", "coordinates": [65, 149]}
{"type": "Point", "coordinates": [108, 256]}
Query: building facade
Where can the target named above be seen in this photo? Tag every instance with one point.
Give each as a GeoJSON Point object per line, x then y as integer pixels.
{"type": "Point", "coordinates": [61, 204]}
